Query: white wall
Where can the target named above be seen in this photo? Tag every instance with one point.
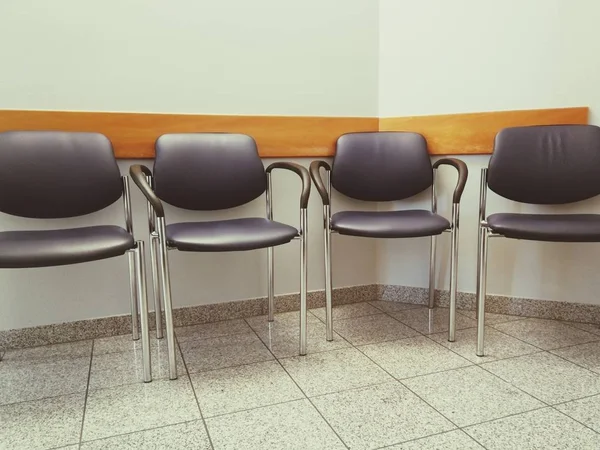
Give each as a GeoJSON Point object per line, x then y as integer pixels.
{"type": "Point", "coordinates": [440, 57]}
{"type": "Point", "coordinates": [192, 56]}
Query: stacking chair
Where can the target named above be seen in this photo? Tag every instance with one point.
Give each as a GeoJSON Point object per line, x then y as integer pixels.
{"type": "Point", "coordinates": [52, 175]}
{"type": "Point", "coordinates": [210, 172]}
{"type": "Point", "coordinates": [541, 165]}
{"type": "Point", "coordinates": [383, 167]}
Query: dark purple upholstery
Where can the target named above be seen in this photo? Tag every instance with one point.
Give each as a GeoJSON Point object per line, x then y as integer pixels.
{"type": "Point", "coordinates": [389, 224]}
{"type": "Point", "coordinates": [546, 164]}
{"type": "Point", "coordinates": [228, 235]}
{"type": "Point", "coordinates": [53, 174]}
{"type": "Point", "coordinates": [381, 166]}
{"type": "Point", "coordinates": [208, 171]}
{"type": "Point", "coordinates": [20, 249]}
{"type": "Point", "coordinates": [547, 227]}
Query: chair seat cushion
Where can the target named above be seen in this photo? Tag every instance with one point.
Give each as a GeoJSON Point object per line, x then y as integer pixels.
{"type": "Point", "coordinates": [19, 249]}
{"type": "Point", "coordinates": [547, 227]}
{"type": "Point", "coordinates": [228, 235]}
{"type": "Point", "coordinates": [389, 224]}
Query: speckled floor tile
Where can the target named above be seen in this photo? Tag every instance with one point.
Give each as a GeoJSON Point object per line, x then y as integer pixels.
{"type": "Point", "coordinates": [585, 410]}
{"type": "Point", "coordinates": [372, 329]}
{"type": "Point", "coordinates": [290, 426]}
{"type": "Point", "coordinates": [281, 320]}
{"type": "Point", "coordinates": [491, 318]}
{"type": "Point", "coordinates": [78, 349]}
{"type": "Point", "coordinates": [238, 388]}
{"type": "Point", "coordinates": [211, 330]}
{"type": "Point", "coordinates": [452, 440]}
{"type": "Point", "coordinates": [586, 355]}
{"type": "Point", "coordinates": [183, 436]}
{"type": "Point", "coordinates": [497, 345]}
{"type": "Point", "coordinates": [547, 377]}
{"type": "Point", "coordinates": [471, 395]}
{"type": "Point", "coordinates": [116, 369]}
{"type": "Point", "coordinates": [413, 356]}
{"type": "Point", "coordinates": [123, 343]}
{"type": "Point", "coordinates": [42, 424]}
{"type": "Point", "coordinates": [376, 416]}
{"type": "Point", "coordinates": [543, 429]}
{"type": "Point", "coordinates": [347, 311]}
{"type": "Point", "coordinates": [25, 380]}
{"type": "Point", "coordinates": [392, 307]}
{"type": "Point", "coordinates": [137, 407]}
{"type": "Point", "coordinates": [589, 327]}
{"type": "Point", "coordinates": [224, 351]}
{"type": "Point", "coordinates": [327, 372]}
{"type": "Point", "coordinates": [546, 334]}
{"type": "Point", "coordinates": [429, 321]}
{"type": "Point", "coordinates": [283, 337]}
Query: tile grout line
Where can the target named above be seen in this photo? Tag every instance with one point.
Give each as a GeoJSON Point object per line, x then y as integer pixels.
{"type": "Point", "coordinates": [573, 418]}
{"type": "Point", "coordinates": [301, 390]}
{"type": "Point", "coordinates": [87, 389]}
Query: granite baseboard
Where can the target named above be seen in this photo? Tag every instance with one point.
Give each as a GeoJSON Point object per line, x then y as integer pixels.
{"type": "Point", "coordinates": [499, 304]}
{"type": "Point", "coordinates": [191, 315]}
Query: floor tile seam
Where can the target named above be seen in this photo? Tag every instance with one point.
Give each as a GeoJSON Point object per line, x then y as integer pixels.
{"type": "Point", "coordinates": [378, 313]}
{"type": "Point", "coordinates": [515, 337]}
{"type": "Point", "coordinates": [574, 363]}
{"type": "Point", "coordinates": [593, 341]}
{"type": "Point", "coordinates": [577, 399]}
{"type": "Point", "coordinates": [86, 395]}
{"type": "Point", "coordinates": [48, 397]}
{"type": "Point", "coordinates": [195, 397]}
{"type": "Point", "coordinates": [426, 437]}
{"type": "Point", "coordinates": [416, 305]}
{"type": "Point", "coordinates": [573, 418]}
{"type": "Point", "coordinates": [570, 324]}
{"type": "Point", "coordinates": [483, 422]}
{"type": "Point", "coordinates": [427, 334]}
{"type": "Point", "coordinates": [596, 337]}
{"type": "Point", "coordinates": [196, 372]}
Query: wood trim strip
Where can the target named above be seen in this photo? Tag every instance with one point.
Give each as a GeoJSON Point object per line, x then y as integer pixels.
{"type": "Point", "coordinates": [133, 134]}
{"type": "Point", "coordinates": [473, 133]}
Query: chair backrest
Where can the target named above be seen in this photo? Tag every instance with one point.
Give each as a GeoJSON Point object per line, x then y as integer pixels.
{"type": "Point", "coordinates": [55, 174]}
{"type": "Point", "coordinates": [208, 171]}
{"type": "Point", "coordinates": [381, 166]}
{"type": "Point", "coordinates": [551, 164]}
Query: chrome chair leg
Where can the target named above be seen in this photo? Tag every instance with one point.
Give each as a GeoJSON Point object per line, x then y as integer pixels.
{"type": "Point", "coordinates": [140, 275]}
{"type": "Point", "coordinates": [303, 280]}
{"type": "Point", "coordinates": [154, 250]}
{"type": "Point", "coordinates": [453, 273]}
{"type": "Point", "coordinates": [328, 287]}
{"type": "Point", "coordinates": [432, 272]}
{"type": "Point", "coordinates": [166, 296]}
{"type": "Point", "coordinates": [135, 330]}
{"type": "Point", "coordinates": [481, 289]}
{"type": "Point", "coordinates": [271, 284]}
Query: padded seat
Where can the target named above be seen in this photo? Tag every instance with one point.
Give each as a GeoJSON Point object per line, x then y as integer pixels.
{"type": "Point", "coordinates": [228, 235]}
{"type": "Point", "coordinates": [21, 249]}
{"type": "Point", "coordinates": [547, 227]}
{"type": "Point", "coordinates": [389, 224]}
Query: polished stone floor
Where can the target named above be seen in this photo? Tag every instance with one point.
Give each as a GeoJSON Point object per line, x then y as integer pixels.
{"type": "Point", "coordinates": [389, 380]}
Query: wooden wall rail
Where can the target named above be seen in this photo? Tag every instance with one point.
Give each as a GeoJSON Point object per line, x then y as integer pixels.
{"type": "Point", "coordinates": [133, 134]}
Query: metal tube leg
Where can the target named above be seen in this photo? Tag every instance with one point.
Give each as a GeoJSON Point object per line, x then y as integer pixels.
{"type": "Point", "coordinates": [271, 283]}
{"type": "Point", "coordinates": [432, 272]}
{"type": "Point", "coordinates": [453, 273]}
{"type": "Point", "coordinates": [482, 274]}
{"type": "Point", "coordinates": [478, 285]}
{"type": "Point", "coordinates": [328, 288]}
{"type": "Point", "coordinates": [166, 296]}
{"type": "Point", "coordinates": [154, 243]}
{"type": "Point", "coordinates": [303, 282]}
{"type": "Point", "coordinates": [140, 275]}
{"type": "Point", "coordinates": [135, 330]}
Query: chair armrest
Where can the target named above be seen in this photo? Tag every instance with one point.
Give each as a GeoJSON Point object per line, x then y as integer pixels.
{"type": "Point", "coordinates": [463, 174]}
{"type": "Point", "coordinates": [302, 173]}
{"type": "Point", "coordinates": [138, 174]}
{"type": "Point", "coordinates": [315, 174]}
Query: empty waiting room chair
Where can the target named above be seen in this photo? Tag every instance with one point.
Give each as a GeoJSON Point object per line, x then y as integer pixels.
{"type": "Point", "coordinates": [52, 175]}
{"type": "Point", "coordinates": [541, 165]}
{"type": "Point", "coordinates": [210, 172]}
{"type": "Point", "coordinates": [383, 167]}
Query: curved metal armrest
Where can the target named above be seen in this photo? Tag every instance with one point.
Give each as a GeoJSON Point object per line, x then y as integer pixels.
{"type": "Point", "coordinates": [138, 174]}
{"type": "Point", "coordinates": [302, 173]}
{"type": "Point", "coordinates": [315, 174]}
{"type": "Point", "coordinates": [463, 174]}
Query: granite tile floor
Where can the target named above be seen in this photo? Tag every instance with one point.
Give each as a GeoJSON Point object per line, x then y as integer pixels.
{"type": "Point", "coordinates": [388, 380]}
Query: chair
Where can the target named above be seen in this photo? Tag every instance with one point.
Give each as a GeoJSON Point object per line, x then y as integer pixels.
{"type": "Point", "coordinates": [51, 175]}
{"type": "Point", "coordinates": [209, 172]}
{"type": "Point", "coordinates": [382, 167]}
{"type": "Point", "coordinates": [542, 165]}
